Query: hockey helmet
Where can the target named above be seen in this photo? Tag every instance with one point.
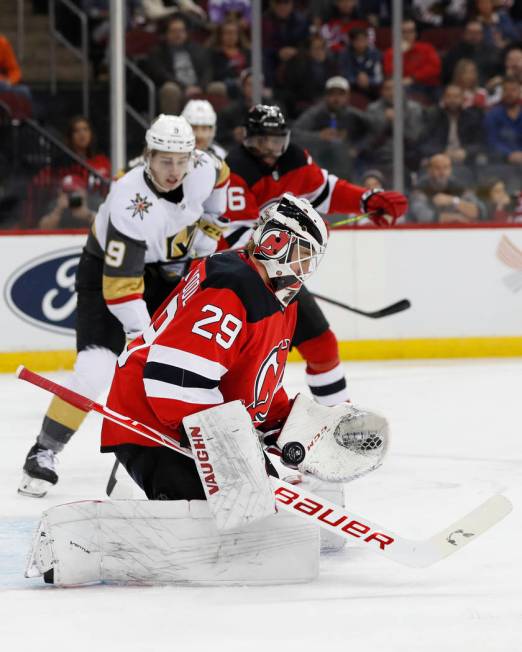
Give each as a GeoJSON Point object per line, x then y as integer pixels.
{"type": "Point", "coordinates": [170, 133]}
{"type": "Point", "coordinates": [289, 241]}
{"type": "Point", "coordinates": [265, 122]}
{"type": "Point", "coordinates": [199, 113]}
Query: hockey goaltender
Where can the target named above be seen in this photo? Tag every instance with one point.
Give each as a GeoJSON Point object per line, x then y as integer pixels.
{"type": "Point", "coordinates": [206, 378]}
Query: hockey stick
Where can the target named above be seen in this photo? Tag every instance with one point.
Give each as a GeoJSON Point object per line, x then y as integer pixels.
{"type": "Point", "coordinates": [112, 481]}
{"type": "Point", "coordinates": [299, 501]}
{"type": "Point", "coordinates": [401, 305]}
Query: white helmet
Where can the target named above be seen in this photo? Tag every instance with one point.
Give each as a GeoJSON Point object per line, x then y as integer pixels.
{"type": "Point", "coordinates": [170, 133]}
{"type": "Point", "coordinates": [290, 241]}
{"type": "Point", "coordinates": [199, 113]}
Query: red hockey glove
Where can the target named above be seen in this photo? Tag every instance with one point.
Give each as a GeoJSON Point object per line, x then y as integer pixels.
{"type": "Point", "coordinates": [386, 206]}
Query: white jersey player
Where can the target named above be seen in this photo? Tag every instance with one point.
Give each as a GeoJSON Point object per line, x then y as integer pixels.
{"type": "Point", "coordinates": [154, 220]}
{"type": "Point", "coordinates": [202, 118]}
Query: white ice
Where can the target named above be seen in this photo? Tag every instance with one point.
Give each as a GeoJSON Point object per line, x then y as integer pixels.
{"type": "Point", "coordinates": [457, 439]}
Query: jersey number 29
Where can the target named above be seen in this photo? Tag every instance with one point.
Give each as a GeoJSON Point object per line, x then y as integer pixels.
{"type": "Point", "coordinates": [228, 329]}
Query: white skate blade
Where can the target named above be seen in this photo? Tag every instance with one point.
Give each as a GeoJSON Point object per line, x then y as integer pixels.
{"type": "Point", "coordinates": [33, 487]}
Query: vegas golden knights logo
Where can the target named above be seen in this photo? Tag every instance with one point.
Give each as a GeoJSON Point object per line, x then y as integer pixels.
{"type": "Point", "coordinates": [178, 245]}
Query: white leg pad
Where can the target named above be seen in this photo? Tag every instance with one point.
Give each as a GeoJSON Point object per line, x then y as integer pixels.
{"type": "Point", "coordinates": [168, 542]}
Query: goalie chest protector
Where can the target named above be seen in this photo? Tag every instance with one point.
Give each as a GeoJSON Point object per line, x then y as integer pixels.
{"type": "Point", "coordinates": [227, 338]}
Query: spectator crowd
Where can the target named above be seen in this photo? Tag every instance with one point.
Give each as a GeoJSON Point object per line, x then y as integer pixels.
{"type": "Point", "coordinates": [329, 65]}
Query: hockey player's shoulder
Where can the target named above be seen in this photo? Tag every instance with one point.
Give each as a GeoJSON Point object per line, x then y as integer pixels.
{"type": "Point", "coordinates": [294, 157]}
{"type": "Point", "coordinates": [231, 271]}
{"type": "Point", "coordinates": [243, 164]}
{"type": "Point", "coordinates": [131, 196]}
{"type": "Point", "coordinates": [208, 172]}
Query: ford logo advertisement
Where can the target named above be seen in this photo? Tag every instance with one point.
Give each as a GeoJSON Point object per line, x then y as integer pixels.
{"type": "Point", "coordinates": [41, 292]}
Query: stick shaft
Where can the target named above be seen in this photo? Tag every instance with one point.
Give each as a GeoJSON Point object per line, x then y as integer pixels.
{"type": "Point", "coordinates": [392, 309]}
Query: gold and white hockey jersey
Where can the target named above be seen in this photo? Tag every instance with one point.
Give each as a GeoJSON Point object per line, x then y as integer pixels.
{"type": "Point", "coordinates": [138, 225]}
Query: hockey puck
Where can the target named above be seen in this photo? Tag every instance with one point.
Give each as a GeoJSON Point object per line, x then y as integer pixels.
{"type": "Point", "coordinates": [293, 453]}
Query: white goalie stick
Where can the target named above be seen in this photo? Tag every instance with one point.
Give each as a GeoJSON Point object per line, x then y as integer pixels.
{"type": "Point", "coordinates": [297, 500]}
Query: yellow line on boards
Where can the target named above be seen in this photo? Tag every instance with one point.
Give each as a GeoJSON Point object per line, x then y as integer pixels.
{"type": "Point", "coordinates": [467, 347]}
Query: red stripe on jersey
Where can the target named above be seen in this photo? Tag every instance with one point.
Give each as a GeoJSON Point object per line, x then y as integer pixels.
{"type": "Point", "coordinates": [129, 297]}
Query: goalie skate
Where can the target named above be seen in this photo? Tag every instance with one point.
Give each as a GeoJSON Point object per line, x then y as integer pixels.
{"type": "Point", "coordinates": [39, 472]}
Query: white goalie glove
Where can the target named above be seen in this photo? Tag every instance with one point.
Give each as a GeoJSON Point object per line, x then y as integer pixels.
{"type": "Point", "coordinates": [335, 444]}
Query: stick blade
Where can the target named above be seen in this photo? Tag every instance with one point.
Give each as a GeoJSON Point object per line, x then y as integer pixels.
{"type": "Point", "coordinates": [462, 532]}
{"type": "Point", "coordinates": [401, 305]}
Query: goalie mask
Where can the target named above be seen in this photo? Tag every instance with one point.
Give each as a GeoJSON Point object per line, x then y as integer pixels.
{"type": "Point", "coordinates": [289, 241]}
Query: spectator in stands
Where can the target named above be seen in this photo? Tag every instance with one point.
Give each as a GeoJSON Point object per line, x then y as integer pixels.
{"type": "Point", "coordinates": [221, 10]}
{"type": "Point", "coordinates": [361, 63]}
{"type": "Point", "coordinates": [80, 138]}
{"type": "Point", "coordinates": [472, 46]}
{"type": "Point", "coordinates": [441, 199]}
{"type": "Point", "coordinates": [500, 207]}
{"type": "Point", "coordinates": [335, 132]}
{"type": "Point", "coordinates": [466, 77]}
{"type": "Point", "coordinates": [373, 179]}
{"type": "Point", "coordinates": [512, 68]}
{"type": "Point", "coordinates": [503, 125]}
{"type": "Point", "coordinates": [451, 129]}
{"type": "Point", "coordinates": [345, 17]}
{"type": "Point", "coordinates": [159, 10]}
{"type": "Point", "coordinates": [70, 210]}
{"type": "Point", "coordinates": [304, 77]}
{"type": "Point", "coordinates": [230, 55]}
{"type": "Point", "coordinates": [232, 118]}
{"type": "Point", "coordinates": [179, 68]}
{"type": "Point", "coordinates": [382, 114]}
{"type": "Point", "coordinates": [10, 73]}
{"type": "Point", "coordinates": [428, 13]}
{"type": "Point", "coordinates": [421, 63]}
{"type": "Point", "coordinates": [284, 31]}
{"type": "Point", "coordinates": [513, 63]}
{"type": "Point", "coordinates": [499, 29]}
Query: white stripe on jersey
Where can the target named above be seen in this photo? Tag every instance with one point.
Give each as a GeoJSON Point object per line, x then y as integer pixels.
{"type": "Point", "coordinates": [333, 399]}
{"type": "Point", "coordinates": [160, 389]}
{"type": "Point", "coordinates": [326, 378]}
{"type": "Point", "coordinates": [185, 360]}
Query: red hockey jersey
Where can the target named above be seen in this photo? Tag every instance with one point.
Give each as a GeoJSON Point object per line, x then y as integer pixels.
{"type": "Point", "coordinates": [254, 185]}
{"type": "Point", "coordinates": [221, 336]}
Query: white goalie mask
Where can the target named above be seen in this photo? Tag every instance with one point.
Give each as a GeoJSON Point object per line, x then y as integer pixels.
{"type": "Point", "coordinates": [172, 134]}
{"type": "Point", "coordinates": [290, 241]}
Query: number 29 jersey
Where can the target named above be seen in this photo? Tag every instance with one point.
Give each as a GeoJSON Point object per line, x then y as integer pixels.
{"type": "Point", "coordinates": [221, 336]}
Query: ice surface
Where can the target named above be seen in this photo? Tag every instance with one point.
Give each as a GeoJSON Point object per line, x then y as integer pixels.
{"type": "Point", "coordinates": [456, 439]}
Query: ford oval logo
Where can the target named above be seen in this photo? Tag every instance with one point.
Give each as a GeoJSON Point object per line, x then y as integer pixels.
{"type": "Point", "coordinates": [42, 291]}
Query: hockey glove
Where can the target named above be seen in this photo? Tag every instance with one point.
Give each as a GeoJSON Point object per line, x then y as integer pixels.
{"type": "Point", "coordinates": [384, 206]}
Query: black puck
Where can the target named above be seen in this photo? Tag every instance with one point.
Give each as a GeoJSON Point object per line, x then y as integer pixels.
{"type": "Point", "coordinates": [293, 453]}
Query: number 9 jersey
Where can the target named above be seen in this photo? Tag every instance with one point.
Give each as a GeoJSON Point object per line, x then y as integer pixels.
{"type": "Point", "coordinates": [137, 225]}
{"type": "Point", "coordinates": [223, 335]}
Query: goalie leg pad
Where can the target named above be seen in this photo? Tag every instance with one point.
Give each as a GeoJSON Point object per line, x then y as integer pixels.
{"type": "Point", "coordinates": [231, 465]}
{"type": "Point", "coordinates": [168, 542]}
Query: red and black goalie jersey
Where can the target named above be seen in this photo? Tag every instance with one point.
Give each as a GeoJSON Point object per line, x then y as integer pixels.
{"type": "Point", "coordinates": [254, 185]}
{"type": "Point", "coordinates": [221, 336]}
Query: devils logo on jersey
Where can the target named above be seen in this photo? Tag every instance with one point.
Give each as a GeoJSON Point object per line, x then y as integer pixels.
{"type": "Point", "coordinates": [274, 243]}
{"type": "Point", "coordinates": [268, 379]}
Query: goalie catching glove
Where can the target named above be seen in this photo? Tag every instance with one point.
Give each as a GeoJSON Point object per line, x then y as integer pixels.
{"type": "Point", "coordinates": [335, 444]}
{"type": "Point", "coordinates": [385, 206]}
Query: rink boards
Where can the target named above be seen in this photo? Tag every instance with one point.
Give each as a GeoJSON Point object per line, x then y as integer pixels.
{"type": "Point", "coordinates": [464, 284]}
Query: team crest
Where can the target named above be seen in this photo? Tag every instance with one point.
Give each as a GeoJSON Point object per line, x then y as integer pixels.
{"type": "Point", "coordinates": [268, 380]}
{"type": "Point", "coordinates": [274, 244]}
{"type": "Point", "coordinates": [139, 206]}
